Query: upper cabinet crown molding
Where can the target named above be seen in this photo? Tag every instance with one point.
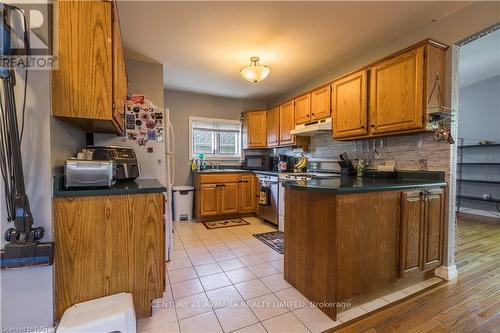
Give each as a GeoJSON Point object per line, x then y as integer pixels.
{"type": "Point", "coordinates": [90, 86]}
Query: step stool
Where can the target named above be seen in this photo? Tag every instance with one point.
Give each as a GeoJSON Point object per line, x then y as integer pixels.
{"type": "Point", "coordinates": [113, 313]}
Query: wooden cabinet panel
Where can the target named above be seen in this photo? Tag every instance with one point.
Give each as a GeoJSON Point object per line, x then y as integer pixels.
{"type": "Point", "coordinates": [120, 79]}
{"type": "Point", "coordinates": [209, 202]}
{"type": "Point", "coordinates": [273, 127]}
{"type": "Point", "coordinates": [84, 56]}
{"type": "Point", "coordinates": [411, 232]}
{"type": "Point", "coordinates": [254, 129]}
{"type": "Point", "coordinates": [302, 109]}
{"type": "Point", "coordinates": [229, 198]}
{"type": "Point", "coordinates": [422, 221]}
{"type": "Point", "coordinates": [89, 49]}
{"type": "Point", "coordinates": [320, 103]}
{"type": "Point", "coordinates": [106, 245]}
{"type": "Point", "coordinates": [396, 93]}
{"type": "Point", "coordinates": [287, 123]}
{"type": "Point", "coordinates": [248, 193]}
{"type": "Point", "coordinates": [214, 178]}
{"type": "Point", "coordinates": [349, 105]}
{"type": "Point", "coordinates": [433, 229]}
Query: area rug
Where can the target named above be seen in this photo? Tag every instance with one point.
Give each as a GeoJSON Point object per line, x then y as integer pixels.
{"type": "Point", "coordinates": [225, 223]}
{"type": "Point", "coordinates": [274, 239]}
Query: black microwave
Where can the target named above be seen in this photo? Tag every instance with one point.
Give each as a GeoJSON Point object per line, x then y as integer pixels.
{"type": "Point", "coordinates": [258, 162]}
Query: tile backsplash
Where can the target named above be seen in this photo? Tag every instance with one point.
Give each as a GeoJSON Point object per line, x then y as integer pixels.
{"type": "Point", "coordinates": [410, 152]}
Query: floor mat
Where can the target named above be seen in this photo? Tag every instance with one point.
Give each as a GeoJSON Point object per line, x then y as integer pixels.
{"type": "Point", "coordinates": [225, 223]}
{"type": "Point", "coordinates": [274, 239]}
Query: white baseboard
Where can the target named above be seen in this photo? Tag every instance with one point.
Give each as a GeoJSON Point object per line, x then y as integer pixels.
{"type": "Point", "coordinates": [480, 212]}
{"type": "Point", "coordinates": [446, 272]}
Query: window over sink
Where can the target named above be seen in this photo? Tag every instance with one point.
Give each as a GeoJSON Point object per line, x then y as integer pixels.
{"type": "Point", "coordinates": [217, 139]}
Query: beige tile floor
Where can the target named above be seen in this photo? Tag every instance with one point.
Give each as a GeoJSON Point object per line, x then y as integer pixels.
{"type": "Point", "coordinates": [225, 280]}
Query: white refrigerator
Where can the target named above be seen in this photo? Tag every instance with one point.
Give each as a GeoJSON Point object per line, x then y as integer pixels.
{"type": "Point", "coordinates": [170, 172]}
{"type": "Point", "coordinates": [156, 162]}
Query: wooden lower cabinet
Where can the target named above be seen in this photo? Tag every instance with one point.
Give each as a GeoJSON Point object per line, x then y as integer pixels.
{"type": "Point", "coordinates": [421, 231]}
{"type": "Point", "coordinates": [223, 194]}
{"type": "Point", "coordinates": [433, 229]}
{"type": "Point", "coordinates": [248, 193]}
{"type": "Point", "coordinates": [109, 244]}
{"type": "Point", "coordinates": [209, 205]}
{"type": "Point", "coordinates": [229, 197]}
{"type": "Point", "coordinates": [351, 245]}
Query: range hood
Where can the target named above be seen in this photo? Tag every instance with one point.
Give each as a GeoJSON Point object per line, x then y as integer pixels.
{"type": "Point", "coordinates": [313, 128]}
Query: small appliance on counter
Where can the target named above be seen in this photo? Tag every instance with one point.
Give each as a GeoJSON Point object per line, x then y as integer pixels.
{"type": "Point", "coordinates": [88, 173]}
{"type": "Point", "coordinates": [124, 158]}
{"type": "Point", "coordinates": [258, 162]}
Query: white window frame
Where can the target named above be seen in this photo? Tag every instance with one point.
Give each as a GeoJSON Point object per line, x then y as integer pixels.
{"type": "Point", "coordinates": [220, 121]}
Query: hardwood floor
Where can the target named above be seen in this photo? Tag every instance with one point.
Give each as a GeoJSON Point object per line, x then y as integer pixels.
{"type": "Point", "coordinates": [471, 303]}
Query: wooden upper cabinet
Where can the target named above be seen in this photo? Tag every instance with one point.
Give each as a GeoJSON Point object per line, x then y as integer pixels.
{"type": "Point", "coordinates": [396, 93]}
{"type": "Point", "coordinates": [120, 79]}
{"type": "Point", "coordinates": [349, 105]}
{"type": "Point", "coordinates": [287, 123]}
{"type": "Point", "coordinates": [303, 109]}
{"type": "Point", "coordinates": [320, 103]}
{"type": "Point", "coordinates": [90, 78]}
{"type": "Point", "coordinates": [254, 129]}
{"type": "Point", "coordinates": [273, 126]}
{"type": "Point", "coordinates": [433, 229]}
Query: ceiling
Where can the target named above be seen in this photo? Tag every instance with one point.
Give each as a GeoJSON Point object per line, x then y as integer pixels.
{"type": "Point", "coordinates": [480, 59]}
{"type": "Point", "coordinates": [203, 45]}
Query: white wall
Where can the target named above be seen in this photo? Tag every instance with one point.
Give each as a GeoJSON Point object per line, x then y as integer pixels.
{"type": "Point", "coordinates": [27, 294]}
{"type": "Point", "coordinates": [479, 119]}
{"type": "Point", "coordinates": [479, 116]}
{"type": "Point", "coordinates": [185, 104]}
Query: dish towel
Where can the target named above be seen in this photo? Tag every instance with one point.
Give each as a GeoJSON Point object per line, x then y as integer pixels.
{"type": "Point", "coordinates": [265, 196]}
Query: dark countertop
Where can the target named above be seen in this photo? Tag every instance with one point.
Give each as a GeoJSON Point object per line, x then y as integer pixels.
{"type": "Point", "coordinates": [138, 186]}
{"type": "Point", "coordinates": [223, 171]}
{"type": "Point", "coordinates": [342, 185]}
{"type": "Point", "coordinates": [272, 173]}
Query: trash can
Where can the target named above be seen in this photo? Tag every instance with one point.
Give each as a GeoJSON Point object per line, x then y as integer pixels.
{"type": "Point", "coordinates": [183, 202]}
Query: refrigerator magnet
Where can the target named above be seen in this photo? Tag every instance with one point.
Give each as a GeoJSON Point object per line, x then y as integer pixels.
{"type": "Point", "coordinates": [159, 135]}
{"type": "Point", "coordinates": [150, 124]}
{"type": "Point", "coordinates": [130, 121]}
{"type": "Point", "coordinates": [151, 135]}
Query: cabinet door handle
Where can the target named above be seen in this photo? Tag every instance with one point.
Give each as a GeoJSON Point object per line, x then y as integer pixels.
{"type": "Point", "coordinates": [243, 181]}
{"type": "Point", "coordinates": [362, 126]}
{"type": "Point", "coordinates": [372, 125]}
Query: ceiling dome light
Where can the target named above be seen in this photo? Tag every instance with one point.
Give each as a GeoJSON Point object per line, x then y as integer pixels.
{"type": "Point", "coordinates": [255, 72]}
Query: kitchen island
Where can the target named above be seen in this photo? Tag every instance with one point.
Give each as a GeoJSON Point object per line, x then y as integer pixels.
{"type": "Point", "coordinates": [109, 240]}
{"type": "Point", "coordinates": [348, 238]}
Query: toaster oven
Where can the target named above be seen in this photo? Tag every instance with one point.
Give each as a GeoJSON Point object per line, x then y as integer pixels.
{"type": "Point", "coordinates": [88, 173]}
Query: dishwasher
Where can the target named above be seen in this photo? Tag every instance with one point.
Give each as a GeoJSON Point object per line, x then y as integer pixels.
{"type": "Point", "coordinates": [269, 212]}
